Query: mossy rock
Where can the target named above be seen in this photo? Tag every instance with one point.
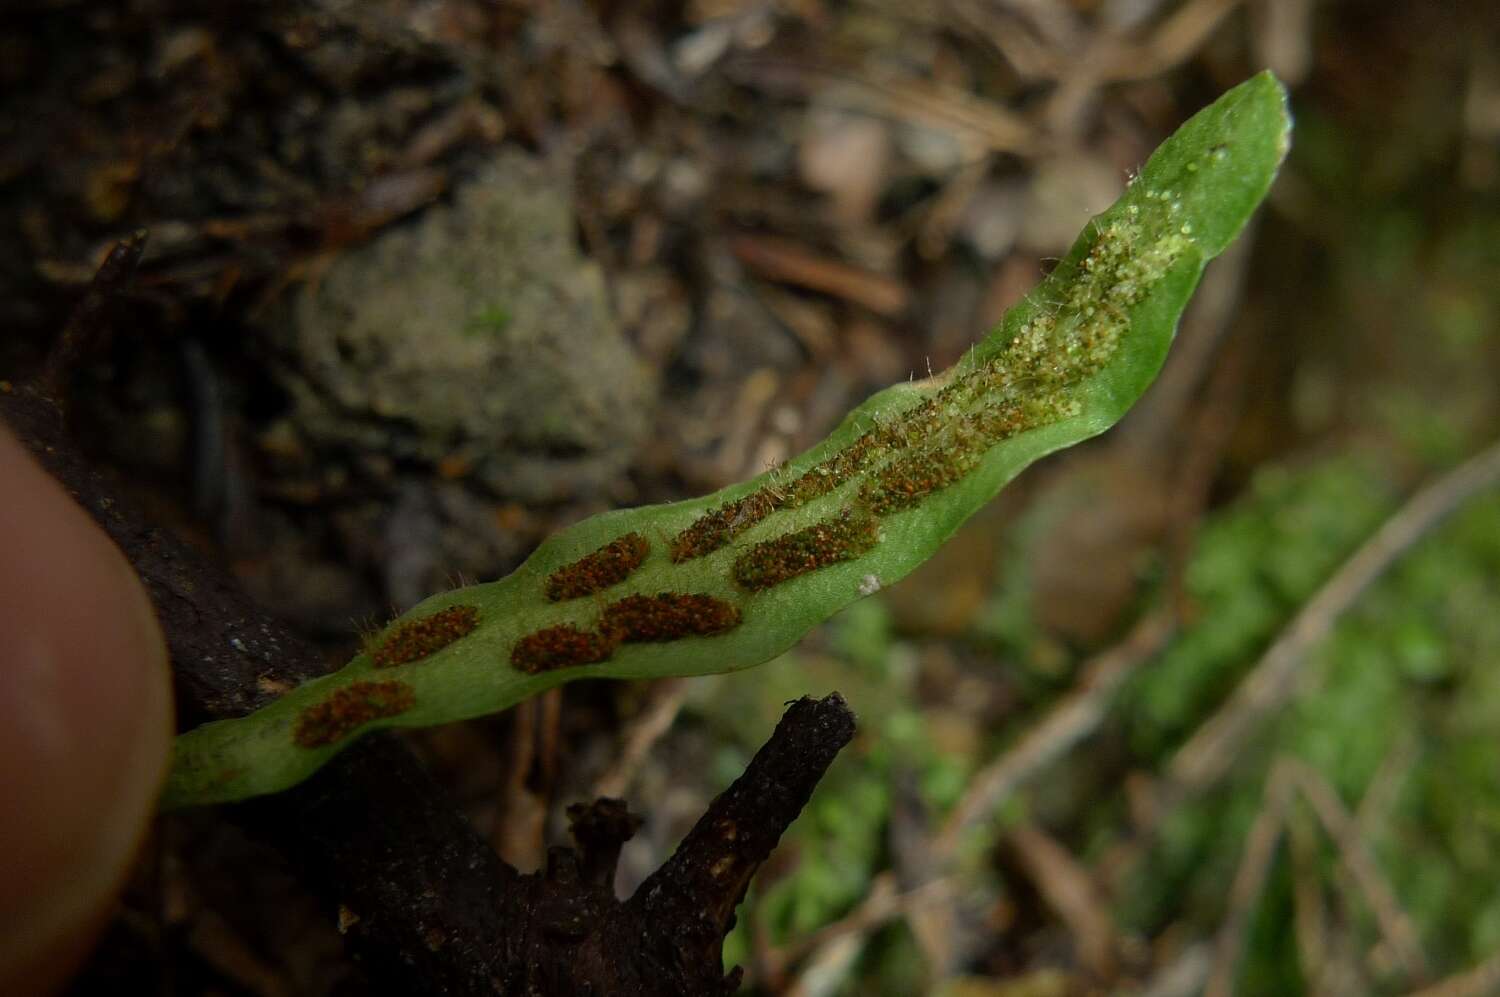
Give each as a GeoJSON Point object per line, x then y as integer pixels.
{"type": "Point", "coordinates": [476, 334]}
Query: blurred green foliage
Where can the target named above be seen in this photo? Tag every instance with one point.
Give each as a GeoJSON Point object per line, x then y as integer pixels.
{"type": "Point", "coordinates": [1255, 564]}
{"type": "Point", "coordinates": [1405, 691]}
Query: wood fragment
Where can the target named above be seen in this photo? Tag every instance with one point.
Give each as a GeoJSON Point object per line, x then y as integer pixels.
{"type": "Point", "coordinates": [782, 260]}
{"type": "Point", "coordinates": [86, 327]}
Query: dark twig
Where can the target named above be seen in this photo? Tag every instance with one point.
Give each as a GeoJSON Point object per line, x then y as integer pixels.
{"type": "Point", "coordinates": [701, 884]}
{"type": "Point", "coordinates": [80, 338]}
{"type": "Point", "coordinates": [372, 833]}
{"type": "Point", "coordinates": [566, 933]}
{"type": "Point", "coordinates": [599, 830]}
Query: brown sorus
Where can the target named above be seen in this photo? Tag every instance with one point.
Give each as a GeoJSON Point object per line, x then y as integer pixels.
{"type": "Point", "coordinates": [668, 616]}
{"type": "Point", "coordinates": [850, 534]}
{"type": "Point", "coordinates": [348, 708]}
{"type": "Point", "coordinates": [715, 528]}
{"type": "Point", "coordinates": [914, 475]}
{"type": "Point", "coordinates": [425, 635]}
{"type": "Point", "coordinates": [609, 565]}
{"type": "Point", "coordinates": [908, 480]}
{"type": "Point", "coordinates": [562, 646]}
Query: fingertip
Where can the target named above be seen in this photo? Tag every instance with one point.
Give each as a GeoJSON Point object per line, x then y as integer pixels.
{"type": "Point", "coordinates": [85, 724]}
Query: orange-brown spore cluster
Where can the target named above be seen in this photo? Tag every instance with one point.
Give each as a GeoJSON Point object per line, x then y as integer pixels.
{"type": "Point", "coordinates": [425, 635]}
{"type": "Point", "coordinates": [948, 459]}
{"type": "Point", "coordinates": [562, 646]}
{"type": "Point", "coordinates": [909, 479]}
{"type": "Point", "coordinates": [850, 534]}
{"type": "Point", "coordinates": [633, 619]}
{"type": "Point", "coordinates": [348, 708]}
{"type": "Point", "coordinates": [717, 527]}
{"type": "Point", "coordinates": [609, 565]}
{"type": "Point", "coordinates": [668, 616]}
